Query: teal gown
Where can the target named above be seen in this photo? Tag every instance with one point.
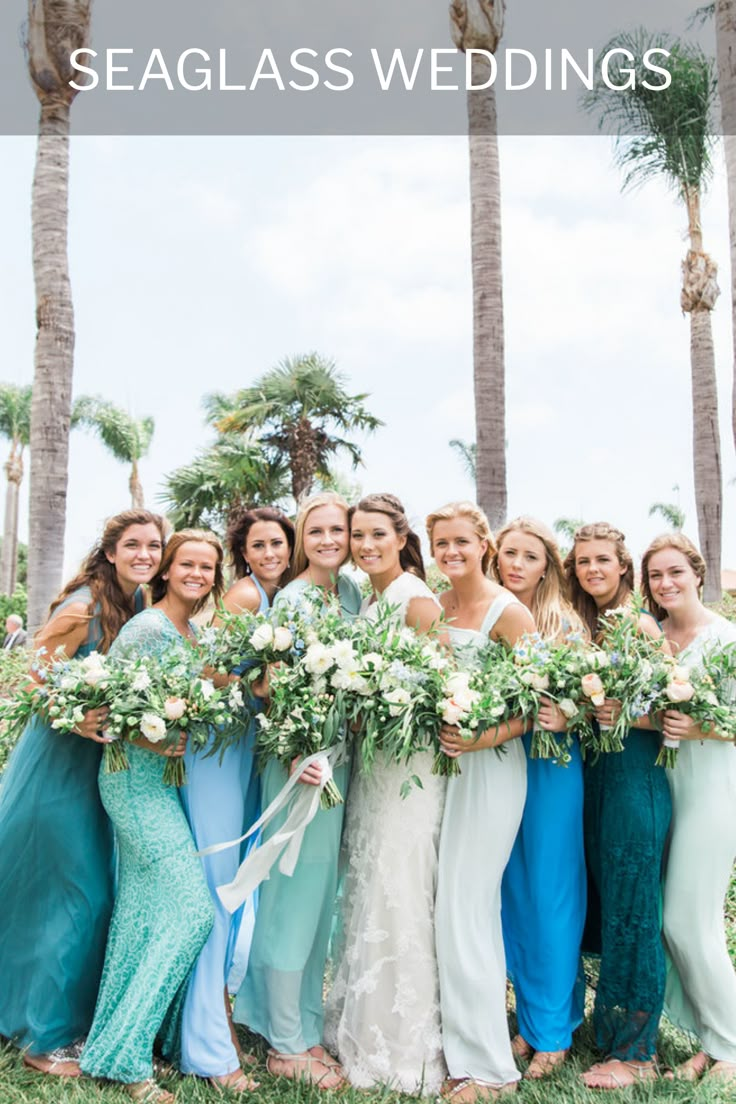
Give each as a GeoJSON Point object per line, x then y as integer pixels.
{"type": "Point", "coordinates": [56, 881]}
{"type": "Point", "coordinates": [281, 995]}
{"type": "Point", "coordinates": [163, 910]}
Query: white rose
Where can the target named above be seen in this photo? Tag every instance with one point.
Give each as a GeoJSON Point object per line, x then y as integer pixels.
{"type": "Point", "coordinates": [397, 698]}
{"type": "Point", "coordinates": [680, 674]}
{"type": "Point", "coordinates": [282, 639]}
{"type": "Point", "coordinates": [372, 660]}
{"type": "Point", "coordinates": [174, 708]}
{"type": "Point", "coordinates": [67, 683]}
{"type": "Point", "coordinates": [262, 637]}
{"type": "Point", "coordinates": [540, 682]}
{"type": "Point", "coordinates": [153, 727]}
{"type": "Point", "coordinates": [317, 659]}
{"type": "Point", "coordinates": [600, 659]}
{"type": "Point", "coordinates": [343, 654]}
{"type": "Point", "coordinates": [141, 681]}
{"type": "Point", "coordinates": [451, 711]}
{"type": "Point", "coordinates": [93, 676]}
{"type": "Point", "coordinates": [236, 697]}
{"type": "Point", "coordinates": [568, 708]}
{"type": "Point", "coordinates": [457, 683]}
{"type": "Point", "coordinates": [207, 687]}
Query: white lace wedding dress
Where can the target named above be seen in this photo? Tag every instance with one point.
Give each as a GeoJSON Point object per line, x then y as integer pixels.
{"type": "Point", "coordinates": [383, 1012]}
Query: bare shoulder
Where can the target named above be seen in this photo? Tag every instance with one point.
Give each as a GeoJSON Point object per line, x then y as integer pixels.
{"type": "Point", "coordinates": [242, 595]}
{"type": "Point", "coordinates": [68, 629]}
{"type": "Point", "coordinates": [646, 624]}
{"type": "Point", "coordinates": [513, 623]}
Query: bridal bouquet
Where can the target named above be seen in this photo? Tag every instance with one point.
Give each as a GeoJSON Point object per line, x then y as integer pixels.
{"type": "Point", "coordinates": [554, 671]}
{"type": "Point", "coordinates": [310, 699]}
{"type": "Point", "coordinates": [622, 668]}
{"type": "Point", "coordinates": [706, 692]}
{"type": "Point", "coordinates": [253, 640]}
{"type": "Point", "coordinates": [69, 689]}
{"type": "Point", "coordinates": [159, 697]}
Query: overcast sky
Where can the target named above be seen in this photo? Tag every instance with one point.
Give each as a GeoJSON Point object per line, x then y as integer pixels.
{"type": "Point", "coordinates": [197, 263]}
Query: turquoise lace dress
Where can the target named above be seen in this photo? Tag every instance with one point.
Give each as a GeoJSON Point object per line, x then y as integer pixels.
{"type": "Point", "coordinates": [163, 910]}
{"type": "Point", "coordinates": [56, 881]}
{"type": "Point", "coordinates": [281, 996]}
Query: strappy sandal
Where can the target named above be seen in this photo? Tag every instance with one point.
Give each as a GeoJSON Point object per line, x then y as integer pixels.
{"type": "Point", "coordinates": [303, 1069]}
{"type": "Point", "coordinates": [241, 1083]}
{"type": "Point", "coordinates": [544, 1063]}
{"type": "Point", "coordinates": [482, 1090]}
{"type": "Point", "coordinates": [624, 1074]}
{"type": "Point", "coordinates": [521, 1048]}
{"type": "Point", "coordinates": [691, 1070]}
{"type": "Point", "coordinates": [724, 1072]}
{"type": "Point", "coordinates": [55, 1064]}
{"type": "Point", "coordinates": [148, 1092]}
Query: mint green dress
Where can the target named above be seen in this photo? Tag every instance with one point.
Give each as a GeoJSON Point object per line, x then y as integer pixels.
{"type": "Point", "coordinates": [163, 910]}
{"type": "Point", "coordinates": [281, 996]}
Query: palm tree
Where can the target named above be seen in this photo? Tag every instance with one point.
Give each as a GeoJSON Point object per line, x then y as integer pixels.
{"type": "Point", "coordinates": [233, 472]}
{"type": "Point", "coordinates": [566, 528]}
{"type": "Point", "coordinates": [468, 453]}
{"type": "Point", "coordinates": [668, 134]}
{"type": "Point", "coordinates": [126, 437]}
{"type": "Point", "coordinates": [295, 407]}
{"type": "Point", "coordinates": [725, 11]}
{"type": "Point", "coordinates": [478, 24]}
{"type": "Point", "coordinates": [55, 29]}
{"type": "Point", "coordinates": [15, 424]}
{"type": "Point", "coordinates": [671, 514]}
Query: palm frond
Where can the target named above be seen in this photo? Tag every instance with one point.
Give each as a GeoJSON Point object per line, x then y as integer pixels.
{"type": "Point", "coordinates": [127, 438]}
{"type": "Point", "coordinates": [15, 413]}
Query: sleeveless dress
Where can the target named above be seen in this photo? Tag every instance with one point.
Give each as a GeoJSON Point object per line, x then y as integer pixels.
{"type": "Point", "coordinates": [383, 1013]}
{"type": "Point", "coordinates": [700, 994]}
{"type": "Point", "coordinates": [217, 806]}
{"type": "Point", "coordinates": [482, 815]}
{"type": "Point", "coordinates": [627, 811]}
{"type": "Point", "coordinates": [281, 995]}
{"type": "Point", "coordinates": [163, 910]}
{"type": "Point", "coordinates": [56, 880]}
{"type": "Point", "coordinates": [543, 898]}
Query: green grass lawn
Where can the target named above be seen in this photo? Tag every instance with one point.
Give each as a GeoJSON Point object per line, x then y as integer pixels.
{"type": "Point", "coordinates": [21, 1086]}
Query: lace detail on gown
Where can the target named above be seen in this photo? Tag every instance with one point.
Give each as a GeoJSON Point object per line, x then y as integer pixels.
{"type": "Point", "coordinates": [383, 1014]}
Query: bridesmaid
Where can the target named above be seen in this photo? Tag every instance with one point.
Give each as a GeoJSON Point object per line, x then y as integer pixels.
{"type": "Point", "coordinates": [56, 844]}
{"type": "Point", "coordinates": [281, 996]}
{"type": "Point", "coordinates": [626, 816]}
{"type": "Point", "coordinates": [220, 804]}
{"type": "Point", "coordinates": [482, 815]}
{"type": "Point", "coordinates": [544, 891]}
{"type": "Point", "coordinates": [700, 994]}
{"type": "Point", "coordinates": [383, 1011]}
{"type": "Point", "coordinates": [163, 911]}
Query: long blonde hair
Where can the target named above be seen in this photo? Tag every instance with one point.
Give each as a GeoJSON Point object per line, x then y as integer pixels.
{"type": "Point", "coordinates": [551, 608]}
{"type": "Point", "coordinates": [682, 544]}
{"type": "Point", "coordinates": [583, 603]}
{"type": "Point", "coordinates": [299, 560]}
{"type": "Point", "coordinates": [472, 513]}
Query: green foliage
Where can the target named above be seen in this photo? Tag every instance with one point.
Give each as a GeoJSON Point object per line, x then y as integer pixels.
{"type": "Point", "coordinates": [297, 410]}
{"type": "Point", "coordinates": [15, 413]}
{"type": "Point", "coordinates": [235, 471]}
{"type": "Point", "coordinates": [21, 571]}
{"type": "Point", "coordinates": [13, 603]}
{"type": "Point", "coordinates": [126, 437]}
{"type": "Point", "coordinates": [670, 513]}
{"type": "Point", "coordinates": [13, 672]}
{"type": "Point", "coordinates": [468, 453]}
{"type": "Point", "coordinates": [659, 133]}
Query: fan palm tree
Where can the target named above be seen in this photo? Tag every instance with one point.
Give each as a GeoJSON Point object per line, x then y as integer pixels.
{"type": "Point", "coordinates": [296, 408]}
{"type": "Point", "coordinates": [127, 438]}
{"type": "Point", "coordinates": [725, 12]}
{"type": "Point", "coordinates": [15, 424]}
{"type": "Point", "coordinates": [478, 24]}
{"type": "Point", "coordinates": [668, 134]}
{"type": "Point", "coordinates": [566, 528]}
{"type": "Point", "coordinates": [55, 29]}
{"type": "Point", "coordinates": [468, 454]}
{"type": "Point", "coordinates": [233, 472]}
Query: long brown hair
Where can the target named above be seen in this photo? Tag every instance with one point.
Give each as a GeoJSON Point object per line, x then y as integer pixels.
{"type": "Point", "coordinates": [239, 527]}
{"type": "Point", "coordinates": [410, 556]}
{"type": "Point", "coordinates": [159, 585]}
{"type": "Point", "coordinates": [682, 544]}
{"type": "Point", "coordinates": [472, 513]}
{"type": "Point", "coordinates": [299, 560]}
{"type": "Point", "coordinates": [552, 610]}
{"type": "Point", "coordinates": [583, 603]}
{"type": "Point", "coordinates": [109, 602]}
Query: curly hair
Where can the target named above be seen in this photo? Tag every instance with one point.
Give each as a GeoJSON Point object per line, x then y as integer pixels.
{"type": "Point", "coordinates": [109, 602]}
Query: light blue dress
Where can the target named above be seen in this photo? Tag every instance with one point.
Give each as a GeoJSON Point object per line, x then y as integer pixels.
{"type": "Point", "coordinates": [281, 996]}
{"type": "Point", "coordinates": [219, 807]}
{"type": "Point", "coordinates": [163, 911]}
{"type": "Point", "coordinates": [483, 811]}
{"type": "Point", "coordinates": [56, 880]}
{"type": "Point", "coordinates": [543, 900]}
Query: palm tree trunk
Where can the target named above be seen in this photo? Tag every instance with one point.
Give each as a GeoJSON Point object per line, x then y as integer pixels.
{"type": "Point", "coordinates": [726, 54]}
{"type": "Point", "coordinates": [488, 326]}
{"type": "Point", "coordinates": [699, 293]}
{"type": "Point", "coordinates": [53, 360]}
{"type": "Point", "coordinates": [135, 487]}
{"type": "Point", "coordinates": [8, 567]}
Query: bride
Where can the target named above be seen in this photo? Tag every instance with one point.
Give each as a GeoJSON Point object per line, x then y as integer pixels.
{"type": "Point", "coordinates": [383, 1013]}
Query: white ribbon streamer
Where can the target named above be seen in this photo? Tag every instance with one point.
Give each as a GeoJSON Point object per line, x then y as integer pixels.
{"type": "Point", "coordinates": [284, 844]}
